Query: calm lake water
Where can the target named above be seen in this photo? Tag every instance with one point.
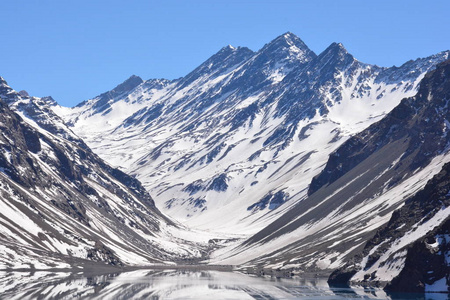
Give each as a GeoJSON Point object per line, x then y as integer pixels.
{"type": "Point", "coordinates": [171, 284]}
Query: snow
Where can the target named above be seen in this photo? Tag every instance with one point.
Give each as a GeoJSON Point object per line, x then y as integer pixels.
{"type": "Point", "coordinates": [357, 113]}
{"type": "Point", "coordinates": [13, 215]}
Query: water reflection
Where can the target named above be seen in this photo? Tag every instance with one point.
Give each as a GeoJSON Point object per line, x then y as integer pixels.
{"type": "Point", "coordinates": [173, 284]}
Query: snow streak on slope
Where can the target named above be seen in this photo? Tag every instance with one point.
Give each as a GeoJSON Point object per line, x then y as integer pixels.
{"type": "Point", "coordinates": [236, 142]}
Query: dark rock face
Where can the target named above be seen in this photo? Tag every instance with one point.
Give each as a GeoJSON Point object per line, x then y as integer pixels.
{"type": "Point", "coordinates": [20, 139]}
{"type": "Point", "coordinates": [425, 264]}
{"type": "Point", "coordinates": [39, 110]}
{"type": "Point", "coordinates": [219, 183]}
{"type": "Point", "coordinates": [148, 117]}
{"type": "Point", "coordinates": [133, 184]}
{"type": "Point", "coordinates": [340, 277]}
{"type": "Point", "coordinates": [24, 93]}
{"type": "Point", "coordinates": [194, 187]}
{"type": "Point", "coordinates": [271, 200]}
{"type": "Point", "coordinates": [101, 253]}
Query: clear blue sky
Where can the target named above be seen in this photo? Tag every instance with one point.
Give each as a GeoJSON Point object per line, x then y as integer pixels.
{"type": "Point", "coordinates": [75, 50]}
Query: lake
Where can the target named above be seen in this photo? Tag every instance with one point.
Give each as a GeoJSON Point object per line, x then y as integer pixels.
{"type": "Point", "coordinates": [177, 284]}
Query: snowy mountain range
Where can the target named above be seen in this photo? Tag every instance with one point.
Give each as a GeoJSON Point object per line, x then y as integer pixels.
{"type": "Point", "coordinates": [279, 158]}
{"type": "Point", "coordinates": [237, 141]}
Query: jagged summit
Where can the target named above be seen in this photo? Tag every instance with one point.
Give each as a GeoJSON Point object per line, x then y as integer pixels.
{"type": "Point", "coordinates": [337, 48]}
{"type": "Point", "coordinates": [7, 94]}
{"type": "Point", "coordinates": [133, 78]}
{"type": "Point", "coordinates": [24, 93]}
{"type": "Point", "coordinates": [127, 86]}
{"type": "Point", "coordinates": [336, 53]}
{"type": "Point", "coordinates": [228, 47]}
{"type": "Point", "coordinates": [288, 44]}
{"type": "Point", "coordinates": [224, 59]}
{"type": "Point", "coordinates": [288, 39]}
{"type": "Point", "coordinates": [49, 100]}
{"type": "Point", "coordinates": [228, 50]}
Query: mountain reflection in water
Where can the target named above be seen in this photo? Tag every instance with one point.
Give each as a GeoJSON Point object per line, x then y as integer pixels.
{"type": "Point", "coordinates": [172, 284]}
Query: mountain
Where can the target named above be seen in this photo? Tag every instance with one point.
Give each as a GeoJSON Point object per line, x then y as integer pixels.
{"type": "Point", "coordinates": [411, 252]}
{"type": "Point", "coordinates": [64, 207]}
{"type": "Point", "coordinates": [235, 143]}
{"type": "Point", "coordinates": [379, 210]}
{"type": "Point", "coordinates": [276, 159]}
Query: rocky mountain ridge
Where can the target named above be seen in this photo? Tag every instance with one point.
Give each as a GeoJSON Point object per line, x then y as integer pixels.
{"type": "Point", "coordinates": [63, 207]}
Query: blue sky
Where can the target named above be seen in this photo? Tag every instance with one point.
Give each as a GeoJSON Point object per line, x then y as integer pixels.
{"type": "Point", "coordinates": [75, 50]}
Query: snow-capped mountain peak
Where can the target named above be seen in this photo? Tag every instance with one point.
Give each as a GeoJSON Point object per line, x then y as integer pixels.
{"type": "Point", "coordinates": [290, 45]}
{"type": "Point", "coordinates": [283, 54]}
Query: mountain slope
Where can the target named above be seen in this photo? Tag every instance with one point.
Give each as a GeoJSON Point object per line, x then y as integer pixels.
{"type": "Point", "coordinates": [63, 207]}
{"type": "Point", "coordinates": [411, 252]}
{"type": "Point", "coordinates": [236, 142]}
{"type": "Point", "coordinates": [364, 181]}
